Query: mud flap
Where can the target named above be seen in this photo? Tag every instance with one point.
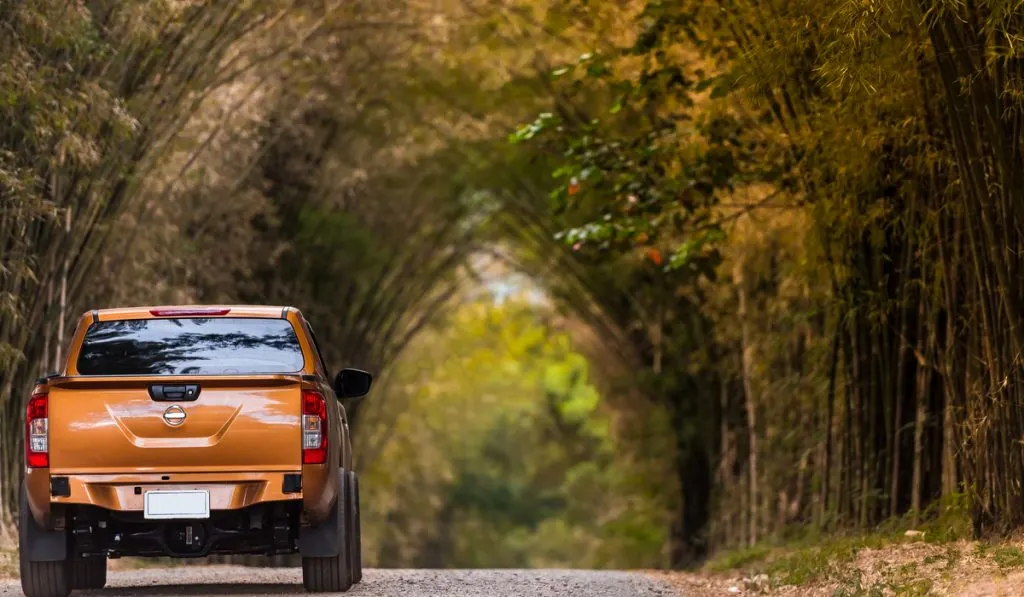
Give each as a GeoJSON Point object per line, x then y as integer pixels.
{"type": "Point", "coordinates": [37, 543]}
{"type": "Point", "coordinates": [324, 540]}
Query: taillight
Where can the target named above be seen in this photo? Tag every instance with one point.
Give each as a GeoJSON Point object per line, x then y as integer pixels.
{"type": "Point", "coordinates": [314, 428]}
{"type": "Point", "coordinates": [37, 436]}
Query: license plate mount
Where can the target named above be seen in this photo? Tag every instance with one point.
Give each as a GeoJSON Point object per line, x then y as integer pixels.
{"type": "Point", "coordinates": [176, 504]}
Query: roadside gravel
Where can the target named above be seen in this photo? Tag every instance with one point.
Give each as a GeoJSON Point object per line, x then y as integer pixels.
{"type": "Point", "coordinates": [230, 580]}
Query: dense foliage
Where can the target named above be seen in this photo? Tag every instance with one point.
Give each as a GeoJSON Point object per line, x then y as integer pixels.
{"type": "Point", "coordinates": [863, 320]}
{"type": "Point", "coordinates": [776, 245]}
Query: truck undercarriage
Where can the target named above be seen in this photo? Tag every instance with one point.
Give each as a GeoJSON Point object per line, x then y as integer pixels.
{"type": "Point", "coordinates": [263, 529]}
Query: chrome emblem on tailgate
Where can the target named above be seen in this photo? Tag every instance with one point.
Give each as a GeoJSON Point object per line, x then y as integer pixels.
{"type": "Point", "coordinates": [174, 416]}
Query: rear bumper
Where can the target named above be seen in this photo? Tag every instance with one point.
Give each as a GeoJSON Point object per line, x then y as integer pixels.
{"type": "Point", "coordinates": [228, 491]}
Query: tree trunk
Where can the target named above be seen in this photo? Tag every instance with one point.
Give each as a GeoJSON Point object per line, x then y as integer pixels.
{"type": "Point", "coordinates": [689, 541]}
{"type": "Point", "coordinates": [62, 319]}
{"type": "Point", "coordinates": [919, 420]}
{"type": "Point", "coordinates": [746, 350]}
{"type": "Point", "coordinates": [826, 476]}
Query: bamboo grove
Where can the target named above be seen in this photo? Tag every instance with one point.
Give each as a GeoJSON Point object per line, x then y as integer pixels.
{"type": "Point", "coordinates": [786, 233]}
{"type": "Point", "coordinates": [921, 245]}
{"type": "Point", "coordinates": [829, 193]}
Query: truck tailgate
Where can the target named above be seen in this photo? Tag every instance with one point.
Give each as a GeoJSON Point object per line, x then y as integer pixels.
{"type": "Point", "coordinates": [114, 424]}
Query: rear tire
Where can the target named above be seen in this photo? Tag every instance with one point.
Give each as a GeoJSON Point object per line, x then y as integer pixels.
{"type": "Point", "coordinates": [39, 579]}
{"type": "Point", "coordinates": [355, 544]}
{"type": "Point", "coordinates": [332, 574]}
{"type": "Point", "coordinates": [45, 579]}
{"type": "Point", "coordinates": [89, 573]}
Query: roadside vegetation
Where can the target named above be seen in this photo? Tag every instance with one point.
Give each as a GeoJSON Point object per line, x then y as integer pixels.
{"type": "Point", "coordinates": [862, 565]}
{"type": "Point", "coordinates": [937, 557]}
{"type": "Point", "coordinates": [646, 281]}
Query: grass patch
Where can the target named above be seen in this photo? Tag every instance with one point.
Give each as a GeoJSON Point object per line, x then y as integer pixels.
{"type": "Point", "coordinates": [801, 561]}
{"type": "Point", "coordinates": [944, 521]}
{"type": "Point", "coordinates": [133, 563]}
{"type": "Point", "coordinates": [9, 567]}
{"type": "Point", "coordinates": [809, 564]}
{"type": "Point", "coordinates": [951, 557]}
{"type": "Point", "coordinates": [948, 520]}
{"type": "Point", "coordinates": [914, 588]}
{"type": "Point", "coordinates": [904, 579]}
{"type": "Point", "coordinates": [737, 559]}
{"type": "Point", "coordinates": [1007, 556]}
{"type": "Point", "coordinates": [808, 555]}
{"type": "Point", "coordinates": [832, 559]}
{"type": "Point", "coordinates": [939, 555]}
{"type": "Point", "coordinates": [856, 588]}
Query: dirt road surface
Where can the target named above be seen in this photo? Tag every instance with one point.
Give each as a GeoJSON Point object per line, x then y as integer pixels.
{"type": "Point", "coordinates": [197, 581]}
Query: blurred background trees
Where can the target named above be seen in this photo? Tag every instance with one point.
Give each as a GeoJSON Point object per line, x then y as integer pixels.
{"type": "Point", "coordinates": [643, 279]}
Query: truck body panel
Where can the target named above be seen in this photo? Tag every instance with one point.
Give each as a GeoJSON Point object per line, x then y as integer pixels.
{"type": "Point", "coordinates": [111, 425]}
{"type": "Point", "coordinates": [228, 491]}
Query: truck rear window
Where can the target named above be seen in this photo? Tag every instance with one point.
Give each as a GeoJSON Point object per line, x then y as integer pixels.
{"type": "Point", "coordinates": [190, 346]}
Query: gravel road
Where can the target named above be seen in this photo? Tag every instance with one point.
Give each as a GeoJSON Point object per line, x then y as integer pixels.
{"type": "Point", "coordinates": [229, 580]}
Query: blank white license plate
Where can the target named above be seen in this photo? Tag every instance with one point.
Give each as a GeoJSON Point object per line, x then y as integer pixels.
{"type": "Point", "coordinates": [177, 504]}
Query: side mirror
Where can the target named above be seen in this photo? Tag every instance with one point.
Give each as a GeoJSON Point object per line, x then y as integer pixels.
{"type": "Point", "coordinates": [352, 383]}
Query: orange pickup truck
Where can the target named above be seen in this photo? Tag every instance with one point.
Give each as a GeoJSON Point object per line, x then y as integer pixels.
{"type": "Point", "coordinates": [185, 432]}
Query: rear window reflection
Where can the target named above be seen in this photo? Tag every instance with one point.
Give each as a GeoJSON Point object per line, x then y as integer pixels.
{"type": "Point", "coordinates": [190, 346]}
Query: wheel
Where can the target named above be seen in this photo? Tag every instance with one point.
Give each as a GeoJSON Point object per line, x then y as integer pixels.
{"type": "Point", "coordinates": [45, 579]}
{"type": "Point", "coordinates": [355, 535]}
{"type": "Point", "coordinates": [332, 574]}
{"type": "Point", "coordinates": [89, 573]}
{"type": "Point", "coordinates": [39, 579]}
